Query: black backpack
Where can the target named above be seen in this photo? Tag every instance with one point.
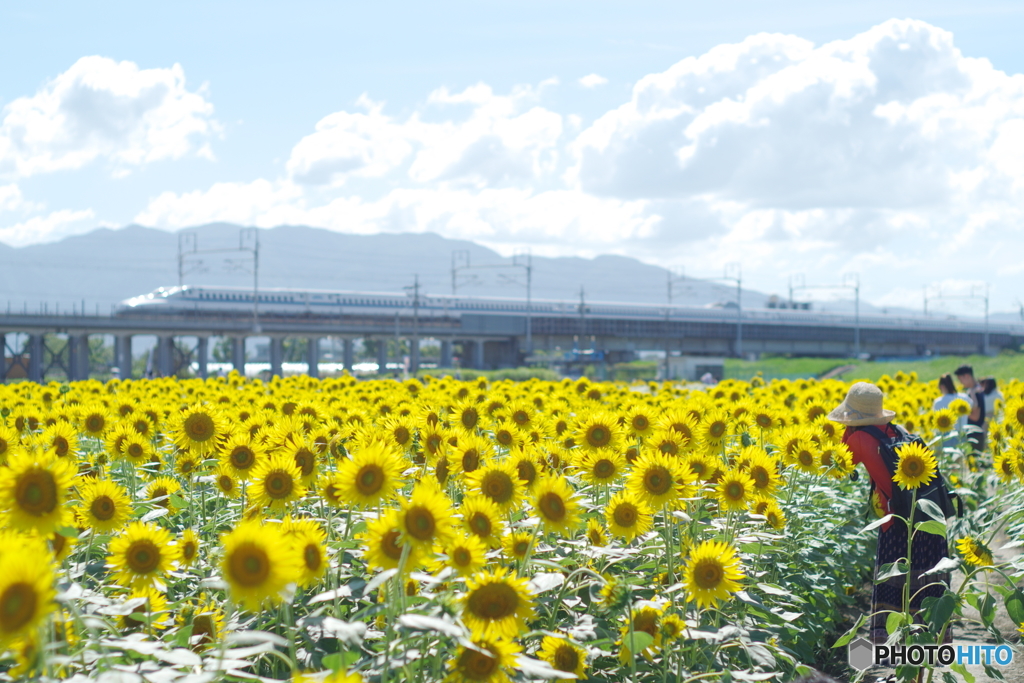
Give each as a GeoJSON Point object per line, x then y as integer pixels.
{"type": "Point", "coordinates": [936, 490]}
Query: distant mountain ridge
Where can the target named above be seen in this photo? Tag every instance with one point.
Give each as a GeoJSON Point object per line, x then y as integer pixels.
{"type": "Point", "coordinates": [105, 266]}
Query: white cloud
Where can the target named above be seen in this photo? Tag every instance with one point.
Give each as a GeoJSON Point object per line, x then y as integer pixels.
{"type": "Point", "coordinates": [592, 81]}
{"type": "Point", "coordinates": [888, 154]}
{"type": "Point", "coordinates": [48, 228]}
{"type": "Point", "coordinates": [102, 109]}
{"type": "Point", "coordinates": [11, 199]}
{"type": "Point", "coordinates": [473, 137]}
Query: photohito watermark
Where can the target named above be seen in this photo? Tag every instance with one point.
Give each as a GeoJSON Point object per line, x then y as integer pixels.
{"type": "Point", "coordinates": [862, 654]}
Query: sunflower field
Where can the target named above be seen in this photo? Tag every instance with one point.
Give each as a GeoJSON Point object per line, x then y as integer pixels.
{"type": "Point", "coordinates": [438, 530]}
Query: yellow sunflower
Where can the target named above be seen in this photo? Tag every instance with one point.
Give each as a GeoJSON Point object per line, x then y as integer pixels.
{"type": "Point", "coordinates": [26, 593]}
{"type": "Point", "coordinates": [498, 481]}
{"type": "Point", "coordinates": [711, 573]}
{"type": "Point", "coordinates": [596, 534]}
{"type": "Point", "coordinates": [241, 454]}
{"type": "Point", "coordinates": [383, 544]}
{"type": "Point", "coordinates": [628, 516]}
{"type": "Point", "coordinates": [658, 479]}
{"type": "Point", "coordinates": [975, 552]}
{"type": "Point", "coordinates": [639, 421]}
{"type": "Point", "coordinates": [598, 431]}
{"type": "Point", "coordinates": [189, 546]}
{"type": "Point", "coordinates": [33, 491]}
{"type": "Point", "coordinates": [371, 476]}
{"type": "Point", "coordinates": [764, 470]}
{"type": "Point", "coordinates": [600, 467]}
{"type": "Point", "coordinates": [481, 517]}
{"type": "Point", "coordinates": [310, 546]}
{"type": "Point", "coordinates": [135, 448]}
{"type": "Point", "coordinates": [105, 506]}
{"type": "Point", "coordinates": [496, 604]}
{"type": "Point", "coordinates": [556, 504]}
{"type": "Point", "coordinates": [198, 428]}
{"type": "Point", "coordinates": [276, 482]}
{"type": "Point", "coordinates": [9, 440]}
{"type": "Point", "coordinates": [425, 518]}
{"type": "Point", "coordinates": [61, 439]}
{"type": "Point", "coordinates": [160, 491]}
{"type": "Point", "coordinates": [94, 421]}
{"type": "Point", "coordinates": [258, 564]}
{"type": "Point", "coordinates": [916, 466]}
{"type": "Point", "coordinates": [564, 655]}
{"type": "Point", "coordinates": [466, 555]}
{"type": "Point", "coordinates": [141, 555]}
{"type": "Point", "coordinates": [734, 490]}
{"type": "Point", "coordinates": [646, 619]}
{"type": "Point", "coordinates": [225, 479]}
{"type": "Point", "coordinates": [488, 661]}
{"type": "Point", "coordinates": [517, 544]}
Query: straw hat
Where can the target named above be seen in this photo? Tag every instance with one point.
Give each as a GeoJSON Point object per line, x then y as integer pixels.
{"type": "Point", "coordinates": [862, 406]}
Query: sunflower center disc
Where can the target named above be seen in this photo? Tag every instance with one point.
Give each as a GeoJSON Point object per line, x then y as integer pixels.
{"type": "Point", "coordinates": [604, 469]}
{"type": "Point", "coordinates": [498, 487]}
{"type": "Point", "coordinates": [625, 515]}
{"type": "Point", "coordinates": [708, 575]}
{"type": "Point", "coordinates": [480, 524]}
{"type": "Point", "coordinates": [37, 493]}
{"type": "Point", "coordinates": [477, 666]}
{"type": "Point", "coordinates": [657, 481]}
{"type": "Point", "coordinates": [279, 485]}
{"type": "Point", "coordinates": [493, 601]}
{"type": "Point", "coordinates": [103, 508]}
{"type": "Point", "coordinates": [312, 557]}
{"type": "Point", "coordinates": [250, 565]}
{"type": "Point", "coordinates": [369, 480]}
{"type": "Point", "coordinates": [553, 507]}
{"type": "Point", "coordinates": [420, 523]}
{"type": "Point", "coordinates": [143, 557]}
{"type": "Point", "coordinates": [242, 458]}
{"type": "Point", "coordinates": [566, 658]}
{"type": "Point", "coordinates": [17, 606]}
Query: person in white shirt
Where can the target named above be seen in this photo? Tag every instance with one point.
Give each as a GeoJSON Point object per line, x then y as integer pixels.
{"type": "Point", "coordinates": [948, 394]}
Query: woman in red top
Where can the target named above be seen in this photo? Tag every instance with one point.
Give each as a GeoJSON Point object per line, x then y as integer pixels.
{"type": "Point", "coordinates": [863, 407]}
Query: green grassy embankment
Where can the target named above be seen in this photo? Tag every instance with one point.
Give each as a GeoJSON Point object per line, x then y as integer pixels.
{"type": "Point", "coordinates": [1003, 366]}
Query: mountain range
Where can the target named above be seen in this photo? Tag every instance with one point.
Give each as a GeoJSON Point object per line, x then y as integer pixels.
{"type": "Point", "coordinates": [101, 268]}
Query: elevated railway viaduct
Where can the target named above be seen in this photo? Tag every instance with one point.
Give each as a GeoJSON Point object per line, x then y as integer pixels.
{"type": "Point", "coordinates": [484, 340]}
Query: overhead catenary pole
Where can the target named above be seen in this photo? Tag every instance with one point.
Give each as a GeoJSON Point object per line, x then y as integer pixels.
{"type": "Point", "coordinates": [972, 296]}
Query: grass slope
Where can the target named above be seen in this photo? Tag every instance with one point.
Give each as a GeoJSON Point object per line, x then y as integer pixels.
{"type": "Point", "coordinates": [1004, 367]}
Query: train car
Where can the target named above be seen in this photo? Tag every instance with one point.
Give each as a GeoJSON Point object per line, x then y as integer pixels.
{"type": "Point", "coordinates": [207, 300]}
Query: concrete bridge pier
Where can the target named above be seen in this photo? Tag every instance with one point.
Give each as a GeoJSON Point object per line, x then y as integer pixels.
{"type": "Point", "coordinates": [165, 356]}
{"type": "Point", "coordinates": [202, 356]}
{"type": "Point", "coordinates": [313, 356]}
{"type": "Point", "coordinates": [446, 353]}
{"type": "Point", "coordinates": [123, 355]}
{"type": "Point", "coordinates": [78, 357]}
{"type": "Point", "coordinates": [35, 358]}
{"type": "Point", "coordinates": [238, 355]}
{"type": "Point", "coordinates": [475, 351]}
{"type": "Point", "coordinates": [382, 356]}
{"type": "Point", "coordinates": [276, 356]}
{"type": "Point", "coordinates": [348, 355]}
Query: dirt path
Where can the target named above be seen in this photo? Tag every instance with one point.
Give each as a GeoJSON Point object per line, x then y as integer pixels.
{"type": "Point", "coordinates": [970, 630]}
{"type": "Point", "coordinates": [973, 632]}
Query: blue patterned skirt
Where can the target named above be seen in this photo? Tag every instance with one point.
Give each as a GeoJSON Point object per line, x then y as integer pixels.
{"type": "Point", "coordinates": [888, 596]}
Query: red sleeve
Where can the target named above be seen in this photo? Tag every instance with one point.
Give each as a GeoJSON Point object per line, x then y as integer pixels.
{"type": "Point", "coordinates": [865, 452]}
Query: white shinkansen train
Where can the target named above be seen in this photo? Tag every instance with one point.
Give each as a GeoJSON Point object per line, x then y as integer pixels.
{"type": "Point", "coordinates": [301, 302]}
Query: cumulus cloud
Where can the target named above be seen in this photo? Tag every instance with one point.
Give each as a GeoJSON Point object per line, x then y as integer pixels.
{"type": "Point", "coordinates": [103, 109]}
{"type": "Point", "coordinates": [890, 154]}
{"type": "Point", "coordinates": [473, 137]}
{"type": "Point", "coordinates": [48, 228]}
{"type": "Point", "coordinates": [592, 81]}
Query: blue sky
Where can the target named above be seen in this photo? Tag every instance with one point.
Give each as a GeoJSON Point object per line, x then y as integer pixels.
{"type": "Point", "coordinates": [470, 119]}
